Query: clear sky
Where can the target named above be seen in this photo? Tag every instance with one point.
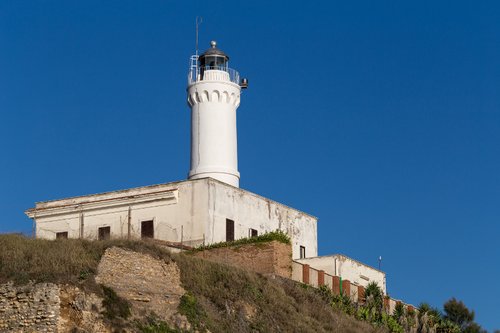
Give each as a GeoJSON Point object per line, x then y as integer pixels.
{"type": "Point", "coordinates": [382, 118]}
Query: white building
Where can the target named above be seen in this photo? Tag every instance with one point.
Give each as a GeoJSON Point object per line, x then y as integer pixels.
{"type": "Point", "coordinates": [348, 269]}
{"type": "Point", "coordinates": [207, 208]}
{"type": "Point", "coordinates": [192, 212]}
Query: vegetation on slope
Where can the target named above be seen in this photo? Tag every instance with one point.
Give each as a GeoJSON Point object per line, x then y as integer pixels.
{"type": "Point", "coordinates": [219, 298]}
{"type": "Point", "coordinates": [233, 300]}
{"type": "Point", "coordinates": [276, 235]}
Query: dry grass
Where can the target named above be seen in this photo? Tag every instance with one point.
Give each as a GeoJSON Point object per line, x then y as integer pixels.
{"type": "Point", "coordinates": [225, 293]}
{"type": "Point", "coordinates": [221, 298]}
{"type": "Point", "coordinates": [60, 261]}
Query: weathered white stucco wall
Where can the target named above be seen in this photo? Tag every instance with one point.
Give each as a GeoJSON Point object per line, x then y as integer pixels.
{"type": "Point", "coordinates": [174, 208]}
{"type": "Point", "coordinates": [193, 211]}
{"type": "Point", "coordinates": [214, 148]}
{"type": "Point", "coordinates": [348, 269]}
{"type": "Point", "coordinates": [249, 210]}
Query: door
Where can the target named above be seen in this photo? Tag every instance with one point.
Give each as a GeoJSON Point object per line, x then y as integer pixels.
{"type": "Point", "coordinates": [104, 233]}
{"type": "Point", "coordinates": [147, 229]}
{"type": "Point", "coordinates": [229, 230]}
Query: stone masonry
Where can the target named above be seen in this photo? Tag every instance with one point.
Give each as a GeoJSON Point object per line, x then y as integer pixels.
{"type": "Point", "coordinates": [151, 285]}
{"type": "Point", "coordinates": [80, 312]}
{"type": "Point", "coordinates": [29, 308]}
{"type": "Point", "coordinates": [266, 258]}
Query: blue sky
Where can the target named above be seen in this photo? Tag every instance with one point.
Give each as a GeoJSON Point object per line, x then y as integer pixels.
{"type": "Point", "coordinates": [382, 118]}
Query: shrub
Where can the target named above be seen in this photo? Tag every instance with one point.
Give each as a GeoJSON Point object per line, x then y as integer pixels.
{"type": "Point", "coordinates": [189, 307]}
{"type": "Point", "coordinates": [399, 311]}
{"type": "Point", "coordinates": [325, 292]}
{"type": "Point", "coordinates": [344, 304]}
{"type": "Point", "coordinates": [374, 302]}
{"type": "Point", "coordinates": [392, 324]}
{"type": "Point", "coordinates": [277, 235]}
{"type": "Point", "coordinates": [154, 325]}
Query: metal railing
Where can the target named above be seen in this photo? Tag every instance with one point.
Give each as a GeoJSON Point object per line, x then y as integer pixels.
{"type": "Point", "coordinates": [197, 73]}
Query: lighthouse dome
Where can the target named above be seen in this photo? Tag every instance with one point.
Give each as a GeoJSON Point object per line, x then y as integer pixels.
{"type": "Point", "coordinates": [214, 51]}
{"type": "Point", "coordinates": [213, 58]}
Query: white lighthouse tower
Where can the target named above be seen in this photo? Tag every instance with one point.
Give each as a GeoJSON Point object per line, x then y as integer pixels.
{"type": "Point", "coordinates": [214, 92]}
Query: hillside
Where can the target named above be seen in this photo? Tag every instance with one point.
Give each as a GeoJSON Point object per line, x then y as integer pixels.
{"type": "Point", "coordinates": [147, 289]}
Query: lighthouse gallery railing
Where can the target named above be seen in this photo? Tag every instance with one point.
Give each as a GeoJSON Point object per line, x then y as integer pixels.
{"type": "Point", "coordinates": [197, 73]}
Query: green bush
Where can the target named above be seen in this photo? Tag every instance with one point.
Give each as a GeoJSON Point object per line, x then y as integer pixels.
{"type": "Point", "coordinates": [343, 303]}
{"type": "Point", "coordinates": [189, 307]}
{"type": "Point", "coordinates": [399, 311]}
{"type": "Point", "coordinates": [374, 302]}
{"type": "Point", "coordinates": [154, 325]}
{"type": "Point", "coordinates": [277, 235]}
{"type": "Point", "coordinates": [392, 324]}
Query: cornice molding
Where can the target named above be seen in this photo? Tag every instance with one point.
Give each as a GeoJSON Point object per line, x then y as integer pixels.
{"type": "Point", "coordinates": [170, 195]}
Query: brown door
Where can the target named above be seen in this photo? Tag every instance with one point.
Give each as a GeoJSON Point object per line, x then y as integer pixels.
{"type": "Point", "coordinates": [104, 233]}
{"type": "Point", "coordinates": [62, 235]}
{"type": "Point", "coordinates": [147, 229]}
{"type": "Point", "coordinates": [229, 230]}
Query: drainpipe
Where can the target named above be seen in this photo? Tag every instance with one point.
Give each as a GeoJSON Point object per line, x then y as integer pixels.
{"type": "Point", "coordinates": [33, 227]}
{"type": "Point", "coordinates": [81, 222]}
{"type": "Point", "coordinates": [129, 219]}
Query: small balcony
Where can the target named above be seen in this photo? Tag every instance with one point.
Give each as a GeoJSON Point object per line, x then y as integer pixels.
{"type": "Point", "coordinates": [212, 73]}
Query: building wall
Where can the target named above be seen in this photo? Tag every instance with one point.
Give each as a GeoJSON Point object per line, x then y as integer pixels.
{"type": "Point", "coordinates": [266, 258]}
{"type": "Point", "coordinates": [348, 269]}
{"type": "Point", "coordinates": [193, 212]}
{"type": "Point", "coordinates": [249, 210]}
{"type": "Point", "coordinates": [176, 210]}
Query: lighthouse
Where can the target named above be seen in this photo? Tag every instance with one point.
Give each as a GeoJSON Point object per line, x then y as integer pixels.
{"type": "Point", "coordinates": [206, 209]}
{"type": "Point", "coordinates": [214, 92]}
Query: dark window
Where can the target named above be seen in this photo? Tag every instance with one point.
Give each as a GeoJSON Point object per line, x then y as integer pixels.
{"type": "Point", "coordinates": [61, 235]}
{"type": "Point", "coordinates": [147, 229]}
{"type": "Point", "coordinates": [229, 230]}
{"type": "Point", "coordinates": [104, 233]}
{"type": "Point", "coordinates": [302, 252]}
{"type": "Point", "coordinates": [253, 233]}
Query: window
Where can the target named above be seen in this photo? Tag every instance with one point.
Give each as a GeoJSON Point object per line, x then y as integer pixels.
{"type": "Point", "coordinates": [147, 229]}
{"type": "Point", "coordinates": [253, 233]}
{"type": "Point", "coordinates": [302, 252]}
{"type": "Point", "coordinates": [229, 230]}
{"type": "Point", "coordinates": [104, 233]}
{"type": "Point", "coordinates": [62, 235]}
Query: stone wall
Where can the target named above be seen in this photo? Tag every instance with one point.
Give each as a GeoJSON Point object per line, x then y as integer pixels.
{"type": "Point", "coordinates": [266, 258]}
{"type": "Point", "coordinates": [29, 308]}
{"type": "Point", "coordinates": [149, 284]}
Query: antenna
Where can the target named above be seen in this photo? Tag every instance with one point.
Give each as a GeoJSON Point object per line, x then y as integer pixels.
{"type": "Point", "coordinates": [199, 20]}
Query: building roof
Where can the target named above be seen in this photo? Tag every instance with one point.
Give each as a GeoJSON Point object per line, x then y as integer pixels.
{"type": "Point", "coordinates": [131, 193]}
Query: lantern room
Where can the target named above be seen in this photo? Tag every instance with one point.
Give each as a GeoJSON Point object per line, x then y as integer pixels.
{"type": "Point", "coordinates": [213, 59]}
